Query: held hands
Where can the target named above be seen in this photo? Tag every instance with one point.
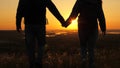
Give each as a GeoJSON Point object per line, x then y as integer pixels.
{"type": "Point", "coordinates": [66, 23]}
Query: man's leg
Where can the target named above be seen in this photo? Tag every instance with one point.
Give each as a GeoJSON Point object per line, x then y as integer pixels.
{"type": "Point", "coordinates": [30, 45]}
{"type": "Point", "coordinates": [41, 39]}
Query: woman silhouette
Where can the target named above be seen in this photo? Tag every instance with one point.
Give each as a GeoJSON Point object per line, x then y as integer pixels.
{"type": "Point", "coordinates": [89, 12]}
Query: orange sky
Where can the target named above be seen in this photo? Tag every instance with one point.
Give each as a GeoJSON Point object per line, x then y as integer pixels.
{"type": "Point", "coordinates": [8, 11]}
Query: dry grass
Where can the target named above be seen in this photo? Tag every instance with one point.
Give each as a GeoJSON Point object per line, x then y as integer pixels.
{"type": "Point", "coordinates": [59, 54]}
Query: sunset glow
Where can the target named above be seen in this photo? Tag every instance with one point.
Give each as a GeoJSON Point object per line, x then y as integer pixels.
{"type": "Point", "coordinates": [73, 25]}
{"type": "Point", "coordinates": [8, 13]}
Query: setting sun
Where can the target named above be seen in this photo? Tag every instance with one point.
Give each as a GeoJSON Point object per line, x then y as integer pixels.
{"type": "Point", "coordinates": [73, 25]}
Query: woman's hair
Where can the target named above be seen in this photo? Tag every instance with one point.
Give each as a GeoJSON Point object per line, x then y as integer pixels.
{"type": "Point", "coordinates": [99, 1]}
{"type": "Point", "coordinates": [92, 1]}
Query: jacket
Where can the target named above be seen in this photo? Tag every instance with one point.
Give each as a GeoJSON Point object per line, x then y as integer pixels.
{"type": "Point", "coordinates": [89, 14]}
{"type": "Point", "coordinates": [34, 12]}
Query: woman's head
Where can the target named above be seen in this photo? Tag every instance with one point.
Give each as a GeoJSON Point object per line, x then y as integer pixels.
{"type": "Point", "coordinates": [92, 1]}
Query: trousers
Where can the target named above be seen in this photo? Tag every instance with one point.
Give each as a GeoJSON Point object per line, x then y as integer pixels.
{"type": "Point", "coordinates": [87, 39]}
{"type": "Point", "coordinates": [35, 37]}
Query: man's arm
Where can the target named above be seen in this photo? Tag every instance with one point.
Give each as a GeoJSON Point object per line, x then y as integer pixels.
{"type": "Point", "coordinates": [55, 11]}
{"type": "Point", "coordinates": [101, 19]}
{"type": "Point", "coordinates": [19, 16]}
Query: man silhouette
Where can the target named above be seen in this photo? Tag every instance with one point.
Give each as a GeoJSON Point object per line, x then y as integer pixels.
{"type": "Point", "coordinates": [34, 13]}
{"type": "Point", "coordinates": [88, 11]}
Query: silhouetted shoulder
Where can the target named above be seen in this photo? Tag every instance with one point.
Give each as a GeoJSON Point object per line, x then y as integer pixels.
{"type": "Point", "coordinates": [22, 2]}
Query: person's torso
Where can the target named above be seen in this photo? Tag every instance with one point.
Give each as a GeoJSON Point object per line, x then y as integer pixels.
{"type": "Point", "coordinates": [88, 16]}
{"type": "Point", "coordinates": [35, 12]}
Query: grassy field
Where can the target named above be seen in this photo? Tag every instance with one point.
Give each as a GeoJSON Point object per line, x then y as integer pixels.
{"type": "Point", "coordinates": [61, 51]}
